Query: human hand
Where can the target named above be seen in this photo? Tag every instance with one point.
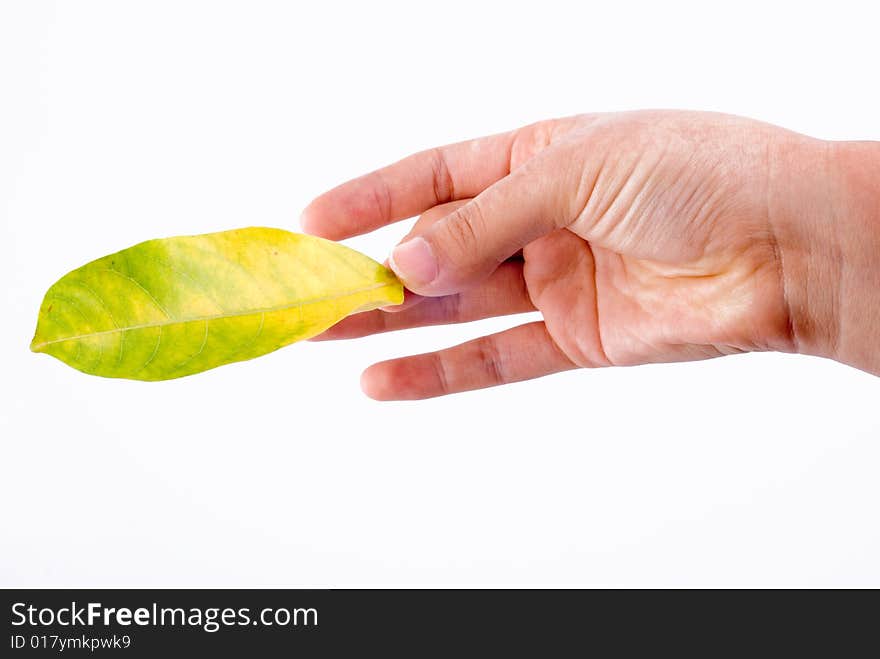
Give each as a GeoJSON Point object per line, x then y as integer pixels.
{"type": "Point", "coordinates": [641, 237]}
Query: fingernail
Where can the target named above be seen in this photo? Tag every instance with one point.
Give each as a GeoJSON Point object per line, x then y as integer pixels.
{"type": "Point", "coordinates": [414, 262]}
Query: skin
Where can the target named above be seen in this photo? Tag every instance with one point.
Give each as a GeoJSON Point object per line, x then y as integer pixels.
{"type": "Point", "coordinates": [640, 237]}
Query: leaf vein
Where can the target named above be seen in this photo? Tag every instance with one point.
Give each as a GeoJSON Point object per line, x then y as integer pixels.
{"type": "Point", "coordinates": [140, 286]}
{"type": "Point", "coordinates": [155, 351]}
{"type": "Point", "coordinates": [249, 312]}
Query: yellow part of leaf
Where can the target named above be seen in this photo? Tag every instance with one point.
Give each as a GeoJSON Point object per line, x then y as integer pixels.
{"type": "Point", "coordinates": [171, 307]}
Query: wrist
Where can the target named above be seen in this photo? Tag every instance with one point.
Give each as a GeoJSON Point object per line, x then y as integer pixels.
{"type": "Point", "coordinates": [830, 251]}
{"type": "Point", "coordinates": [858, 217]}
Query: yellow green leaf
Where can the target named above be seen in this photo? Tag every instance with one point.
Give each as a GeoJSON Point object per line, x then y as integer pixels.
{"type": "Point", "coordinates": [177, 306]}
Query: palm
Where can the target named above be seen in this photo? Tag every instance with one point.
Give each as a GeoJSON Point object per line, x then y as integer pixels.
{"type": "Point", "coordinates": [609, 308]}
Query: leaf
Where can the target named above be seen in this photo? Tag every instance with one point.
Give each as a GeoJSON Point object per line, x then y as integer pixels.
{"type": "Point", "coordinates": [177, 306]}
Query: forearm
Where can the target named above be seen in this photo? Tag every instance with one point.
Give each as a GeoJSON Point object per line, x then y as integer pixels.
{"type": "Point", "coordinates": [831, 253]}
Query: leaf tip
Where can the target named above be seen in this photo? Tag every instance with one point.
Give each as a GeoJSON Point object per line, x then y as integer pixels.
{"type": "Point", "coordinates": [37, 345]}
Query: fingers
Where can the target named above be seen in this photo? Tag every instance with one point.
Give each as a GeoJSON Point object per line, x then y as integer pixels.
{"type": "Point", "coordinates": [410, 186]}
{"type": "Point", "coordinates": [470, 242]}
{"type": "Point", "coordinates": [431, 216]}
{"type": "Point", "coordinates": [428, 218]}
{"type": "Point", "coordinates": [520, 353]}
{"type": "Point", "coordinates": [502, 294]}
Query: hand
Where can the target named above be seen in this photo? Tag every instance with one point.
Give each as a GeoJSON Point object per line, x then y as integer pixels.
{"type": "Point", "coordinates": [640, 237]}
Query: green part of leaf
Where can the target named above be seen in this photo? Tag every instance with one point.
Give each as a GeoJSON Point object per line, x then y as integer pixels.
{"type": "Point", "coordinates": [177, 306]}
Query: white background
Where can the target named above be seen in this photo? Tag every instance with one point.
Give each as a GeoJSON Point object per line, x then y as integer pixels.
{"type": "Point", "coordinates": [123, 121]}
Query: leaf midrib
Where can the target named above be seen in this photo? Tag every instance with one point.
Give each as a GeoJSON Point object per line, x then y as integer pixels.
{"type": "Point", "coordinates": [219, 316]}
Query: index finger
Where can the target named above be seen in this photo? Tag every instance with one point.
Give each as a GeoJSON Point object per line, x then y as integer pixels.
{"type": "Point", "coordinates": [410, 186]}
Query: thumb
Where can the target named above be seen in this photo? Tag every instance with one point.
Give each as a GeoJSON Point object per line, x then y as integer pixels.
{"type": "Point", "coordinates": [468, 244]}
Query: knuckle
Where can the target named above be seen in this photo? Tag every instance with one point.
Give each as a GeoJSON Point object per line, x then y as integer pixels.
{"type": "Point", "coordinates": [451, 307]}
{"type": "Point", "coordinates": [442, 373]}
{"type": "Point", "coordinates": [530, 140]}
{"type": "Point", "coordinates": [381, 195]}
{"type": "Point", "coordinates": [462, 230]}
{"type": "Point", "coordinates": [491, 361]}
{"type": "Point", "coordinates": [444, 185]}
